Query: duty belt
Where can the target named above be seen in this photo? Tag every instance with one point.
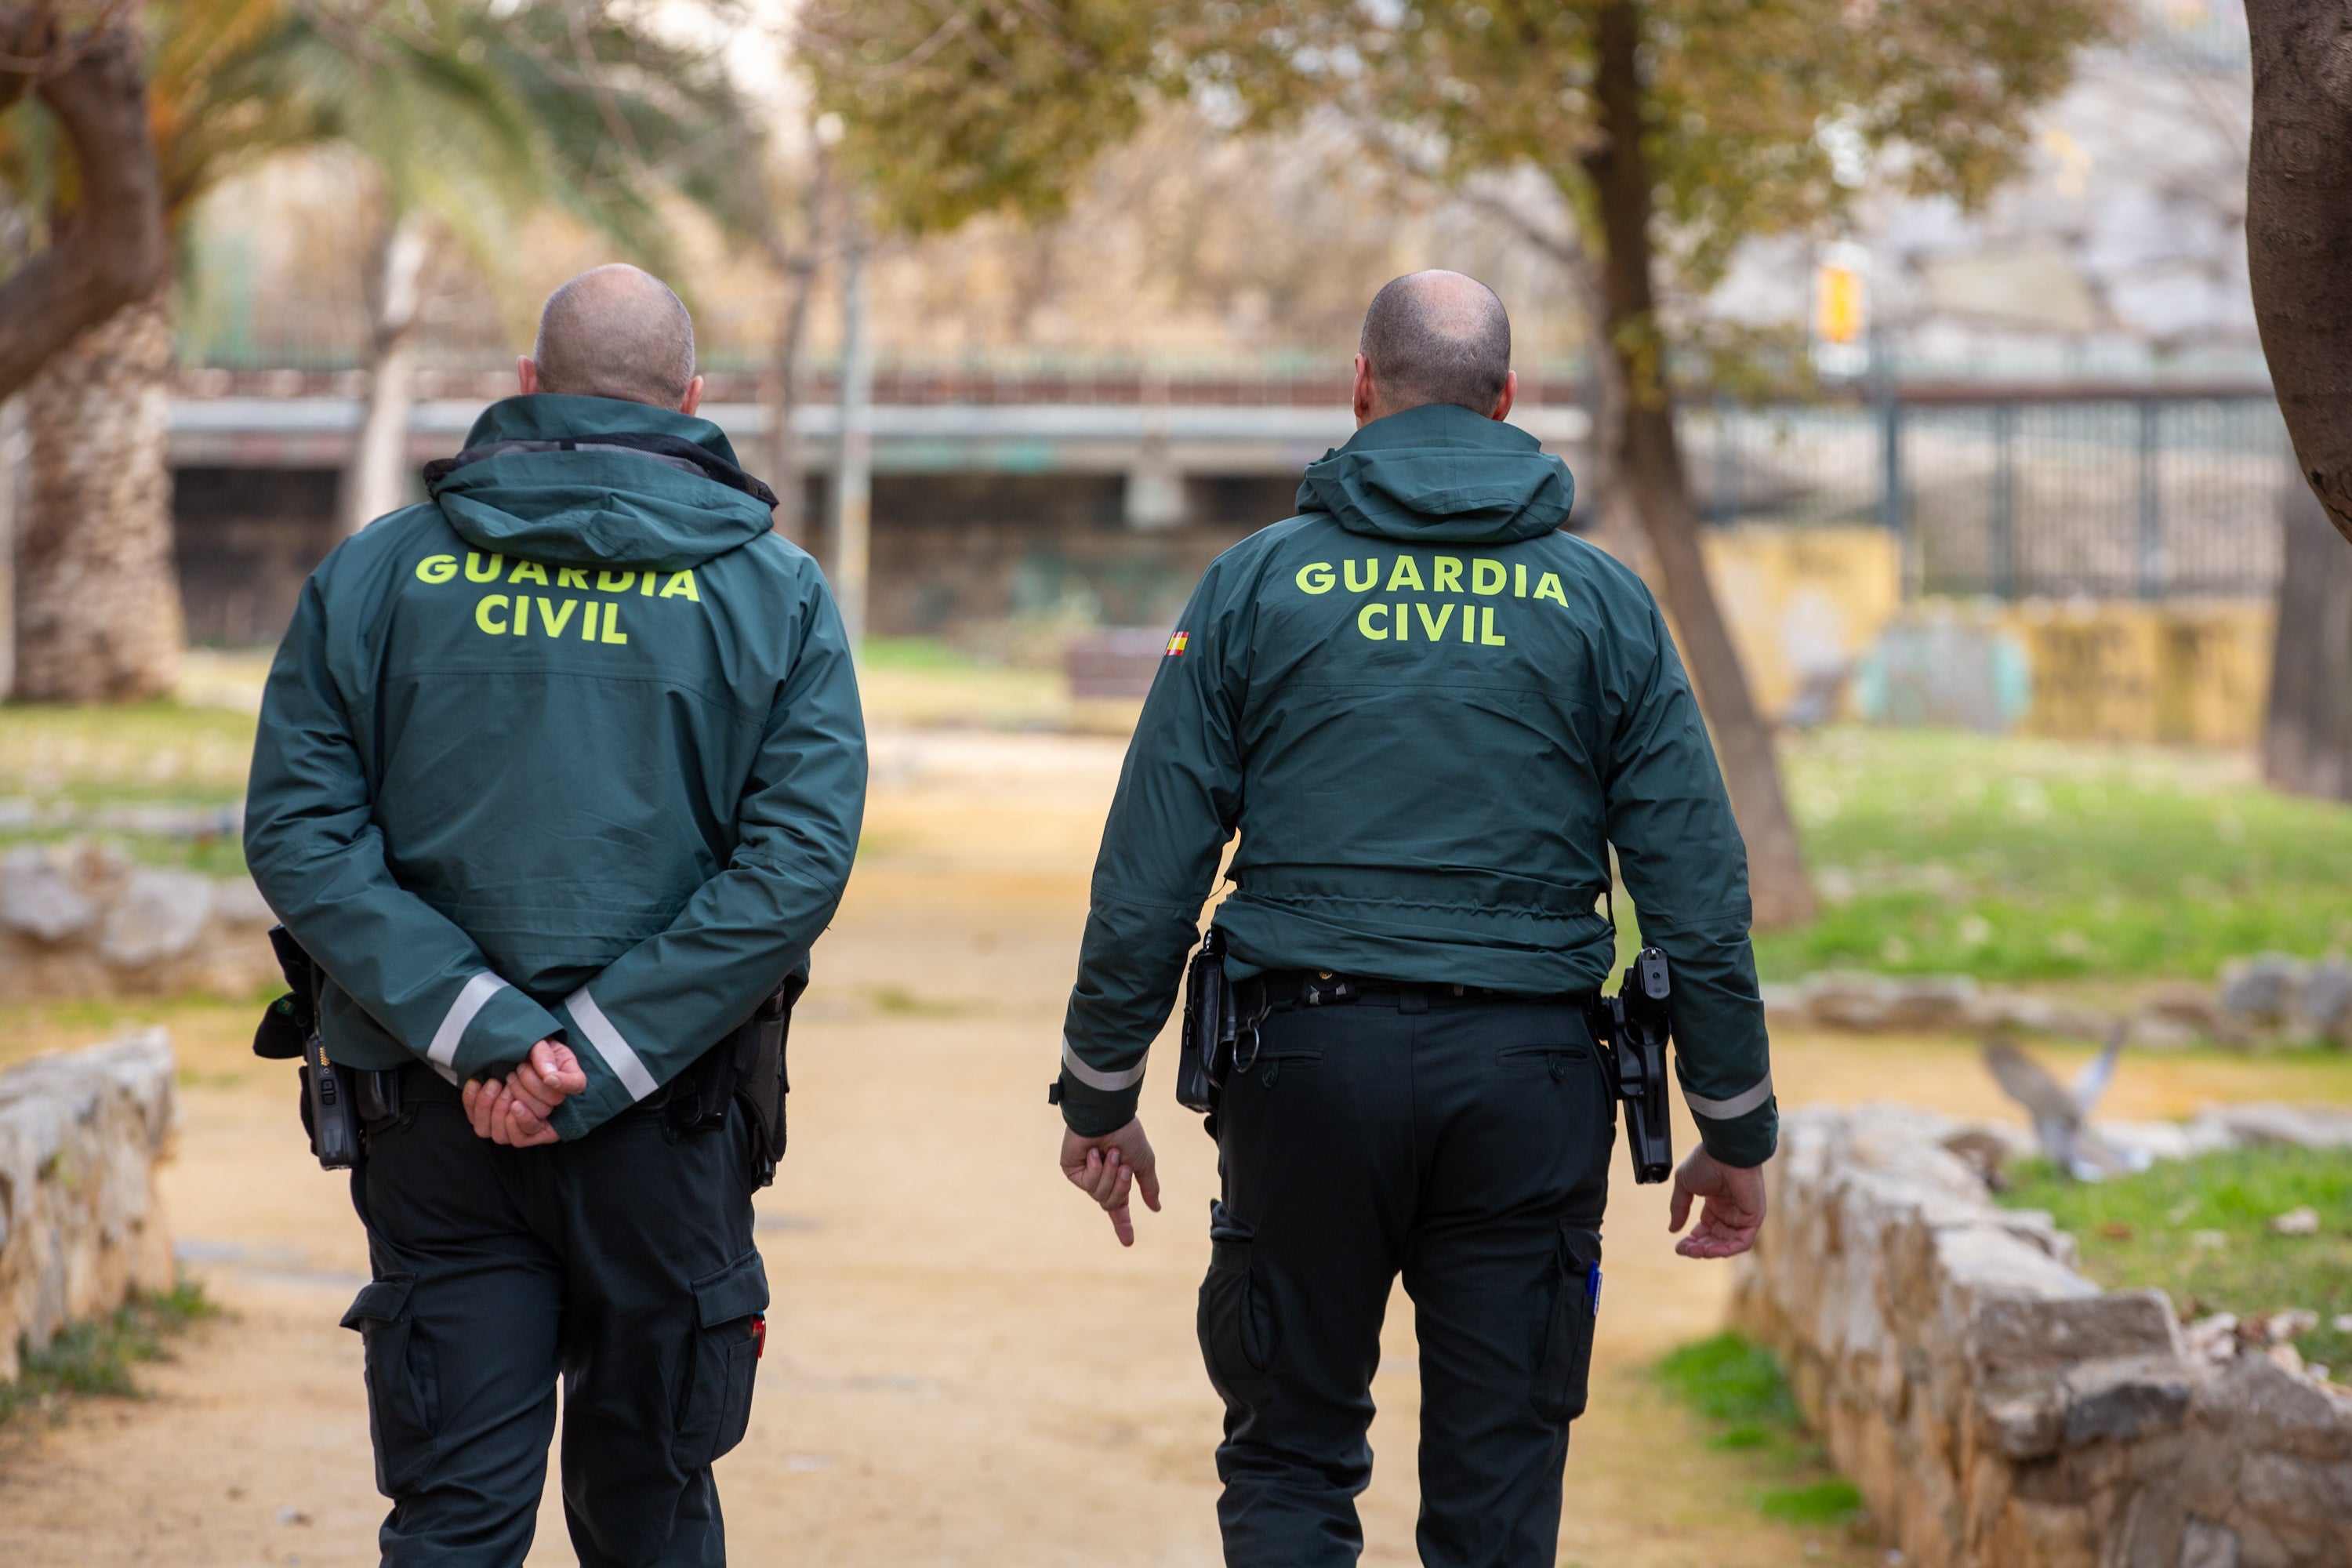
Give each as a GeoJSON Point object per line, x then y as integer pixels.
{"type": "Point", "coordinates": [1281, 989]}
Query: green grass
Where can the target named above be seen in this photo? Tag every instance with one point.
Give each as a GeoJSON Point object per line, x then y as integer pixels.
{"type": "Point", "coordinates": [2028, 860]}
{"type": "Point", "coordinates": [97, 1357]}
{"type": "Point", "coordinates": [70, 765]}
{"type": "Point", "coordinates": [2200, 1230]}
{"type": "Point", "coordinates": [1738, 1386]}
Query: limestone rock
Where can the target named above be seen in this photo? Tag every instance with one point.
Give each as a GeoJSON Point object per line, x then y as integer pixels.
{"type": "Point", "coordinates": [2260, 991]}
{"type": "Point", "coordinates": [81, 1226]}
{"type": "Point", "coordinates": [159, 915]}
{"type": "Point", "coordinates": [237, 902]}
{"type": "Point", "coordinates": [37, 895]}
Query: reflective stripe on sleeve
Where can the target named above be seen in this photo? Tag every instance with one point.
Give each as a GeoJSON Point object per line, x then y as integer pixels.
{"type": "Point", "coordinates": [471, 1000]}
{"type": "Point", "coordinates": [1738, 1105]}
{"type": "Point", "coordinates": [606, 1041]}
{"type": "Point", "coordinates": [1108, 1082]}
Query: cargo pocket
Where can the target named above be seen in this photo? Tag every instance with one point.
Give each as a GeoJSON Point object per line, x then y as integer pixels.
{"type": "Point", "coordinates": [1564, 1357]}
{"type": "Point", "coordinates": [1238, 1330]}
{"type": "Point", "coordinates": [730, 1313]}
{"type": "Point", "coordinates": [403, 1392]}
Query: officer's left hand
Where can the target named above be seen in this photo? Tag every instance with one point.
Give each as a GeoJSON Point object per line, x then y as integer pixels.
{"type": "Point", "coordinates": [515, 1111]}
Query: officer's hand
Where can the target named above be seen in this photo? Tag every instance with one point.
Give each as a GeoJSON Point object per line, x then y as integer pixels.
{"type": "Point", "coordinates": [1734, 1206]}
{"type": "Point", "coordinates": [1106, 1168]}
{"type": "Point", "coordinates": [514, 1111]}
{"type": "Point", "coordinates": [547, 1078]}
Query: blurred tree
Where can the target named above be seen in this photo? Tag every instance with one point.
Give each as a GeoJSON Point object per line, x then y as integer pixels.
{"type": "Point", "coordinates": [105, 232]}
{"type": "Point", "coordinates": [954, 108]}
{"type": "Point", "coordinates": [473, 110]}
{"type": "Point", "coordinates": [2299, 252]}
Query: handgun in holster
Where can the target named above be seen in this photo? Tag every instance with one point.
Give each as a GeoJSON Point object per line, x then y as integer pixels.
{"type": "Point", "coordinates": [1218, 1039]}
{"type": "Point", "coordinates": [1632, 1029]}
{"type": "Point", "coordinates": [289, 1031]}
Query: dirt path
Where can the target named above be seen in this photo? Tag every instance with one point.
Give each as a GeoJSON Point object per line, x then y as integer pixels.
{"type": "Point", "coordinates": [962, 1368]}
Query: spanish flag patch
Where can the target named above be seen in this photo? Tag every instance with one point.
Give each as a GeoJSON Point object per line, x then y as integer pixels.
{"type": "Point", "coordinates": [1176, 643]}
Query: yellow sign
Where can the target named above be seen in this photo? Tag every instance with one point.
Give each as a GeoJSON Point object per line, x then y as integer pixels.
{"type": "Point", "coordinates": [1839, 308]}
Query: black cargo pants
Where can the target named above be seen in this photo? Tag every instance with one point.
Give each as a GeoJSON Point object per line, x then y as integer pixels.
{"type": "Point", "coordinates": [1467, 1145]}
{"type": "Point", "coordinates": [622, 1263]}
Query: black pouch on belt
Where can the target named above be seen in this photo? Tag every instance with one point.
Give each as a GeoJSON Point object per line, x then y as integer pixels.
{"type": "Point", "coordinates": [289, 1027]}
{"type": "Point", "coordinates": [763, 1080]}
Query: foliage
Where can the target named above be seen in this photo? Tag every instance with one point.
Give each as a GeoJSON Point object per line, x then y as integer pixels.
{"type": "Point", "coordinates": [2018, 859]}
{"type": "Point", "coordinates": [477, 110]}
{"type": "Point", "coordinates": [1763, 117]}
{"type": "Point", "coordinates": [2200, 1230]}
{"type": "Point", "coordinates": [1738, 1385]}
{"type": "Point", "coordinates": [954, 108]}
{"type": "Point", "coordinates": [96, 1357]}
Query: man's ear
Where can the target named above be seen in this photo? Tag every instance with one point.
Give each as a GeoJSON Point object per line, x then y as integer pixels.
{"type": "Point", "coordinates": [693, 399]}
{"type": "Point", "coordinates": [1510, 394]}
{"type": "Point", "coordinates": [527, 373]}
{"type": "Point", "coordinates": [1365, 400]}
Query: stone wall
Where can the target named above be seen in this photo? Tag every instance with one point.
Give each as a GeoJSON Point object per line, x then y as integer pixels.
{"type": "Point", "coordinates": [81, 1226]}
{"type": "Point", "coordinates": [1996, 1408]}
{"type": "Point", "coordinates": [81, 919]}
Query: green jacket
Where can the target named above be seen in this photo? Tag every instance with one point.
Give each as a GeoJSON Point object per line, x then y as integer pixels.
{"type": "Point", "coordinates": [573, 750]}
{"type": "Point", "coordinates": [1428, 714]}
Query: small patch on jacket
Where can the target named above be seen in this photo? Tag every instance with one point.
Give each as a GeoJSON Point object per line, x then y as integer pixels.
{"type": "Point", "coordinates": [1176, 644]}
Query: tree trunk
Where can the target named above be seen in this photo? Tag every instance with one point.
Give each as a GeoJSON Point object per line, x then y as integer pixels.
{"type": "Point", "coordinates": [98, 606]}
{"type": "Point", "coordinates": [2307, 739]}
{"type": "Point", "coordinates": [2299, 231]}
{"type": "Point", "coordinates": [374, 480]}
{"type": "Point", "coordinates": [109, 250]}
{"type": "Point", "coordinates": [783, 475]}
{"type": "Point", "coordinates": [1650, 465]}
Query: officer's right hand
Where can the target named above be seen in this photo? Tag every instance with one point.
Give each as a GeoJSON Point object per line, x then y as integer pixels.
{"type": "Point", "coordinates": [1106, 1168]}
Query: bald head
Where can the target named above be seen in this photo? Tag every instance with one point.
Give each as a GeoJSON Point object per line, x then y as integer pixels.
{"type": "Point", "coordinates": [1437, 337]}
{"type": "Point", "coordinates": [616, 331]}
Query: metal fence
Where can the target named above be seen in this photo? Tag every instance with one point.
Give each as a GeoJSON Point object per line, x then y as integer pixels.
{"type": "Point", "coordinates": [2169, 493]}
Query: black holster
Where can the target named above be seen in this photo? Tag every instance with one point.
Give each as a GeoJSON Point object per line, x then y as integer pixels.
{"type": "Point", "coordinates": [290, 1028]}
{"type": "Point", "coordinates": [1632, 1029]}
{"type": "Point", "coordinates": [746, 1069]}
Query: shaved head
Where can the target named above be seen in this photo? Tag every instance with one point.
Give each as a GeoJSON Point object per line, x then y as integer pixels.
{"type": "Point", "coordinates": [1437, 337]}
{"type": "Point", "coordinates": [616, 331]}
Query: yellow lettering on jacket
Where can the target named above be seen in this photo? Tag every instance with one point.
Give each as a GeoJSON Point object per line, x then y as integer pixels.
{"type": "Point", "coordinates": [1405, 574]}
{"type": "Point", "coordinates": [605, 583]}
{"type": "Point", "coordinates": [1371, 575]}
{"type": "Point", "coordinates": [1519, 581]}
{"type": "Point", "coordinates": [646, 588]}
{"type": "Point", "coordinates": [527, 572]}
{"type": "Point", "coordinates": [679, 583]}
{"type": "Point", "coordinates": [1364, 620]}
{"type": "Point", "coordinates": [1314, 577]}
{"type": "Point", "coordinates": [1549, 589]}
{"type": "Point", "coordinates": [572, 577]}
{"type": "Point", "coordinates": [1445, 574]}
{"type": "Point", "coordinates": [490, 574]}
{"type": "Point", "coordinates": [1434, 629]}
{"type": "Point", "coordinates": [482, 608]}
{"type": "Point", "coordinates": [1486, 633]}
{"type": "Point", "coordinates": [1469, 622]}
{"type": "Point", "coordinates": [1403, 624]}
{"type": "Point", "coordinates": [1486, 576]}
{"type": "Point", "coordinates": [554, 614]}
{"type": "Point", "coordinates": [436, 569]}
{"type": "Point", "coordinates": [612, 632]}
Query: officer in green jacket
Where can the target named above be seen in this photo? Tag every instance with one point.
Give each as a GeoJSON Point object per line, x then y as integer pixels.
{"type": "Point", "coordinates": [559, 775]}
{"type": "Point", "coordinates": [1429, 714]}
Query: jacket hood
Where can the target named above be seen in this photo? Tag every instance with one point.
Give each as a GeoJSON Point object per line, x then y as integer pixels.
{"type": "Point", "coordinates": [1440, 474]}
{"type": "Point", "coordinates": [597, 481]}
